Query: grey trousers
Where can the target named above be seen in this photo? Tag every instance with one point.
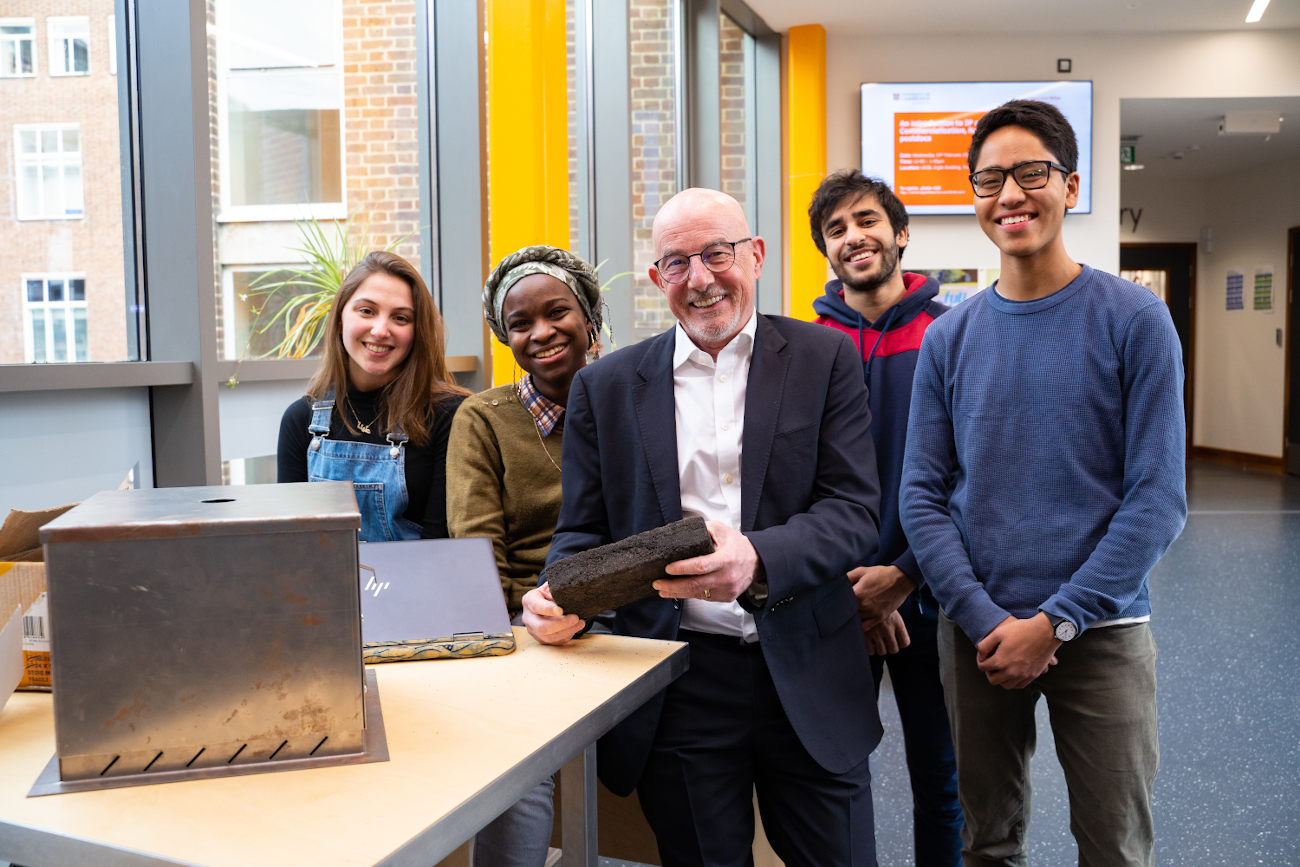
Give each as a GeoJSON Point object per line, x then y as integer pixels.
{"type": "Point", "coordinates": [1102, 699]}
{"type": "Point", "coordinates": [521, 836]}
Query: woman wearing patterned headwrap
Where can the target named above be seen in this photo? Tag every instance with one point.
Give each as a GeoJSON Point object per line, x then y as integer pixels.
{"type": "Point", "coordinates": [503, 464]}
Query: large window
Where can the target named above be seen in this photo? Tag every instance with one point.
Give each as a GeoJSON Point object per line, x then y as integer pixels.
{"type": "Point", "coordinates": [281, 102]}
{"type": "Point", "coordinates": [17, 47]}
{"type": "Point", "coordinates": [653, 72]}
{"type": "Point", "coordinates": [54, 313]}
{"type": "Point", "coordinates": [69, 45]}
{"type": "Point", "coordinates": [736, 104]}
{"type": "Point", "coordinates": [48, 160]}
{"type": "Point", "coordinates": [315, 119]}
{"type": "Point", "coordinates": [249, 306]}
{"type": "Point", "coordinates": [61, 189]}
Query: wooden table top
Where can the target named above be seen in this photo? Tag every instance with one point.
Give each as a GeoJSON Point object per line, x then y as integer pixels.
{"type": "Point", "coordinates": [465, 738]}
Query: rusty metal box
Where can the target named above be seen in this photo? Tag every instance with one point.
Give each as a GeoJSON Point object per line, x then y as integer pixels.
{"type": "Point", "coordinates": [205, 631]}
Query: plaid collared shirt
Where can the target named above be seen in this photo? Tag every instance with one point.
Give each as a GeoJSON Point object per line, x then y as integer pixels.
{"type": "Point", "coordinates": [546, 412]}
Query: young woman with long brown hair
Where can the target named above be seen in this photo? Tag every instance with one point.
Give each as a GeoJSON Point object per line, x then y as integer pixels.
{"type": "Point", "coordinates": [378, 411]}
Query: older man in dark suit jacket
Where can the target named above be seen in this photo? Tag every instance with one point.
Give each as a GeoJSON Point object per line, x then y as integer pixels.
{"type": "Point", "coordinates": [779, 694]}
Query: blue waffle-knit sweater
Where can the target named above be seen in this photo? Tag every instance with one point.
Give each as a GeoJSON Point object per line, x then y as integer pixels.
{"type": "Point", "coordinates": [1045, 454]}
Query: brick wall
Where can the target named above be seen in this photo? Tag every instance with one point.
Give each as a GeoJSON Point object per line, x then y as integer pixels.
{"type": "Point", "coordinates": [92, 244]}
{"type": "Point", "coordinates": [652, 87]}
{"type": "Point", "coordinates": [731, 80]}
{"type": "Point", "coordinates": [214, 146]}
{"type": "Point", "coordinates": [577, 122]}
{"type": "Point", "coordinates": [381, 134]}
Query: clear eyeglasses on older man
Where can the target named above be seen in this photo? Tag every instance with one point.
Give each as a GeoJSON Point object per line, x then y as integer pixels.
{"type": "Point", "coordinates": [675, 267]}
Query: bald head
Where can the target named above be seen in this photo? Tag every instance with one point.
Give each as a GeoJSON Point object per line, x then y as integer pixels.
{"type": "Point", "coordinates": [698, 208]}
{"type": "Point", "coordinates": [712, 301]}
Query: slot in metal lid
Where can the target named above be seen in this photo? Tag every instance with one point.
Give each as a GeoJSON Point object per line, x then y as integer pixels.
{"type": "Point", "coordinates": [170, 513]}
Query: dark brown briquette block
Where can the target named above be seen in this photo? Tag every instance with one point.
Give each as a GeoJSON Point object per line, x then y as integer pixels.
{"type": "Point", "coordinates": [593, 581]}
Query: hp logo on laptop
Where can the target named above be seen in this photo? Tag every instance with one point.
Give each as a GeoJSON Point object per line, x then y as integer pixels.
{"type": "Point", "coordinates": [374, 583]}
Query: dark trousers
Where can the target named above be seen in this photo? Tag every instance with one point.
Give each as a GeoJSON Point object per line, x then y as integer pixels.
{"type": "Point", "coordinates": [1101, 695]}
{"type": "Point", "coordinates": [722, 735]}
{"type": "Point", "coordinates": [931, 764]}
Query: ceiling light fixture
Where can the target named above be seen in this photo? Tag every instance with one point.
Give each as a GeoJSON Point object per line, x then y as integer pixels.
{"type": "Point", "coordinates": [1257, 11]}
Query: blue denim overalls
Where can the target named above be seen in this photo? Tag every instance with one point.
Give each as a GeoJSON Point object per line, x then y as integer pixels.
{"type": "Point", "coordinates": [377, 473]}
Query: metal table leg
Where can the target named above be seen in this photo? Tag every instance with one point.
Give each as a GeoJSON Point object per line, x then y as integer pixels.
{"type": "Point", "coordinates": [578, 810]}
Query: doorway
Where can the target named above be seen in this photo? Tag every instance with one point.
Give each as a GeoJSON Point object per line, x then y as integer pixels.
{"type": "Point", "coordinates": [1291, 416]}
{"type": "Point", "coordinates": [1169, 271]}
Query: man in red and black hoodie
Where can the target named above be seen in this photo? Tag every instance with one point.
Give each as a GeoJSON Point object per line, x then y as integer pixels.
{"type": "Point", "coordinates": [861, 227]}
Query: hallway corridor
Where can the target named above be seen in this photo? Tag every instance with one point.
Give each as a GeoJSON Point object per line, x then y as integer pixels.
{"type": "Point", "coordinates": [1226, 602]}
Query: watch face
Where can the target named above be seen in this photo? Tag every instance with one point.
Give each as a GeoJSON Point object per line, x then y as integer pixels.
{"type": "Point", "coordinates": [1065, 630]}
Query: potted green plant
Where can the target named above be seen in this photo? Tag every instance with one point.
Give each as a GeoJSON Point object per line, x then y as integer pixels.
{"type": "Point", "coordinates": [298, 300]}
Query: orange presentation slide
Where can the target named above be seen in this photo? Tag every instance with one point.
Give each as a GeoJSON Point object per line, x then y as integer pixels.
{"type": "Point", "coordinates": [930, 157]}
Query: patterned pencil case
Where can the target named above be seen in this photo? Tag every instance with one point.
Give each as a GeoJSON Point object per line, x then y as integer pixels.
{"type": "Point", "coordinates": [464, 645]}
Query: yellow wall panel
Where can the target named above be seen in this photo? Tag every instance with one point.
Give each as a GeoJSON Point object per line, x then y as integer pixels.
{"type": "Point", "coordinates": [806, 149]}
{"type": "Point", "coordinates": [528, 138]}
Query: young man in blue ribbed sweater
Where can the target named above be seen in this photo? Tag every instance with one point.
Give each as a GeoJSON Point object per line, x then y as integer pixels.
{"type": "Point", "coordinates": [1043, 478]}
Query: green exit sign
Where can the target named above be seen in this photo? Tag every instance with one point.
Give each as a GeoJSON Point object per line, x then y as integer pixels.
{"type": "Point", "coordinates": [1127, 154]}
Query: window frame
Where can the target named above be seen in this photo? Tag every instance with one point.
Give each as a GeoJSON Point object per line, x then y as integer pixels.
{"type": "Point", "coordinates": [67, 304]}
{"type": "Point", "coordinates": [22, 160]}
{"type": "Point", "coordinates": [31, 37]}
{"type": "Point", "coordinates": [56, 55]}
{"type": "Point", "coordinates": [229, 213]}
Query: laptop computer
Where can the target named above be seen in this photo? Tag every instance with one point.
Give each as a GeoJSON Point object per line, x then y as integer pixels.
{"type": "Point", "coordinates": [431, 599]}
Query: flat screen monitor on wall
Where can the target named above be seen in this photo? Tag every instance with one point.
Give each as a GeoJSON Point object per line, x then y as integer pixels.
{"type": "Point", "coordinates": [915, 136]}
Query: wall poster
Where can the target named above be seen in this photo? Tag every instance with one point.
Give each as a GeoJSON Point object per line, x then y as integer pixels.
{"type": "Point", "coordinates": [1235, 285]}
{"type": "Point", "coordinates": [1263, 299]}
{"type": "Point", "coordinates": [960, 284]}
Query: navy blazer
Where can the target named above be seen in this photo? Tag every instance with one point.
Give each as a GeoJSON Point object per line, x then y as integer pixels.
{"type": "Point", "coordinates": [809, 504]}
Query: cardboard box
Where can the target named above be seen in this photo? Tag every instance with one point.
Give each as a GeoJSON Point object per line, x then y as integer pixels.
{"type": "Point", "coordinates": [22, 587]}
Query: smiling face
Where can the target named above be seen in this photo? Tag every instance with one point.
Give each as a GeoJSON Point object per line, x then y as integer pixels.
{"type": "Point", "coordinates": [711, 307]}
{"type": "Point", "coordinates": [861, 245]}
{"type": "Point", "coordinates": [378, 329]}
{"type": "Point", "coordinates": [1024, 223]}
{"type": "Point", "coordinates": [547, 330]}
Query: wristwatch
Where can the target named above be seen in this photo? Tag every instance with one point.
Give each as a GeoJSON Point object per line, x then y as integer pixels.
{"type": "Point", "coordinates": [1064, 629]}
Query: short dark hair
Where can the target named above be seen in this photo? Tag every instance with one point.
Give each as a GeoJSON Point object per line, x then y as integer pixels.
{"type": "Point", "coordinates": [1042, 119]}
{"type": "Point", "coordinates": [851, 185]}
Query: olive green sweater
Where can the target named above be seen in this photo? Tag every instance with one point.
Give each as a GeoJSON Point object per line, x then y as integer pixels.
{"type": "Point", "coordinates": [501, 484]}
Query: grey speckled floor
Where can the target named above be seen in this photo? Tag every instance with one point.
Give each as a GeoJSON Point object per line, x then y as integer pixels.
{"type": "Point", "coordinates": [1227, 622]}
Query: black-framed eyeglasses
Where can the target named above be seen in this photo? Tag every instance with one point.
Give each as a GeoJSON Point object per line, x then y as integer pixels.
{"type": "Point", "coordinates": [1032, 175]}
{"type": "Point", "coordinates": [675, 267]}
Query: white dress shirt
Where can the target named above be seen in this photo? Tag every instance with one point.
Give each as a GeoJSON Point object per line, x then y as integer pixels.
{"type": "Point", "coordinates": [709, 409]}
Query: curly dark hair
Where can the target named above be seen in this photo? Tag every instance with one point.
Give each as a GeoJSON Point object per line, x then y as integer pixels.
{"type": "Point", "coordinates": [1043, 119]}
{"type": "Point", "coordinates": [849, 185]}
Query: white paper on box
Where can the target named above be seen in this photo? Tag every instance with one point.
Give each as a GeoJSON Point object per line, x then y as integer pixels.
{"type": "Point", "coordinates": [36, 626]}
{"type": "Point", "coordinates": [11, 655]}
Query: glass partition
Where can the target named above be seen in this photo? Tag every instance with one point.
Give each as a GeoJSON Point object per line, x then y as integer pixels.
{"type": "Point", "coordinates": [314, 118]}
{"type": "Point", "coordinates": [653, 82]}
{"type": "Point", "coordinates": [736, 105]}
{"type": "Point", "coordinates": [63, 286]}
